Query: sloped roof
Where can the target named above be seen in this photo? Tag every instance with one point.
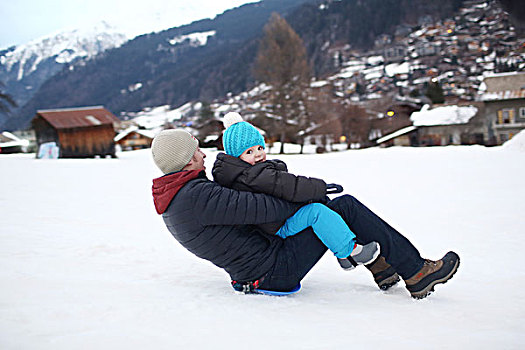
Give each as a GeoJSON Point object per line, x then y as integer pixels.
{"type": "Point", "coordinates": [445, 115]}
{"type": "Point", "coordinates": [503, 95]}
{"type": "Point", "coordinates": [147, 133]}
{"type": "Point", "coordinates": [67, 118]}
{"type": "Point", "coordinates": [505, 81]}
{"type": "Point", "coordinates": [396, 134]}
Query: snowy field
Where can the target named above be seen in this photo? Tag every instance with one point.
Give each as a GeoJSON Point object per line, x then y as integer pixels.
{"type": "Point", "coordinates": [85, 262]}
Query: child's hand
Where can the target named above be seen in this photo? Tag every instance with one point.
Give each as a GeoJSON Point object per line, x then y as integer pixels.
{"type": "Point", "coordinates": [333, 188]}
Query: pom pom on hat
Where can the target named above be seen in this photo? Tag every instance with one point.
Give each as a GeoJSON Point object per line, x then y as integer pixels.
{"type": "Point", "coordinates": [173, 149]}
{"type": "Point", "coordinates": [239, 135]}
{"type": "Point", "coordinates": [231, 118]}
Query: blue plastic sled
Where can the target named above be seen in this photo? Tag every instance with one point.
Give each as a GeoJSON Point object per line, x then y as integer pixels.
{"type": "Point", "coordinates": [273, 292]}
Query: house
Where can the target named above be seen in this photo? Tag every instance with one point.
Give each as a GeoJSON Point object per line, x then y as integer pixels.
{"type": "Point", "coordinates": [77, 132]}
{"type": "Point", "coordinates": [449, 125]}
{"type": "Point", "coordinates": [395, 53]}
{"type": "Point", "coordinates": [504, 100]}
{"type": "Point", "coordinates": [440, 126]}
{"type": "Point", "coordinates": [134, 138]}
{"type": "Point", "coordinates": [10, 143]}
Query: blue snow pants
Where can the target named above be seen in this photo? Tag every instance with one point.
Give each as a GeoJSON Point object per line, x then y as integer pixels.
{"type": "Point", "coordinates": [327, 225]}
{"type": "Point", "coordinates": [299, 253]}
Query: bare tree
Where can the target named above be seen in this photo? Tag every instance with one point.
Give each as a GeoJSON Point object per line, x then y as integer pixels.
{"type": "Point", "coordinates": [282, 64]}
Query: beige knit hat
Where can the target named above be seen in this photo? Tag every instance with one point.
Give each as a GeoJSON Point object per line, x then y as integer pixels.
{"type": "Point", "coordinates": [173, 149]}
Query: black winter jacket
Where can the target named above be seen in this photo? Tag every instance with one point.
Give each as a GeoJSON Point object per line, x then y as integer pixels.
{"type": "Point", "coordinates": [270, 177]}
{"type": "Point", "coordinates": [217, 223]}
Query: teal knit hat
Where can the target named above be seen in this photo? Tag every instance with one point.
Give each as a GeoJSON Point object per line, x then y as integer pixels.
{"type": "Point", "coordinates": [239, 135]}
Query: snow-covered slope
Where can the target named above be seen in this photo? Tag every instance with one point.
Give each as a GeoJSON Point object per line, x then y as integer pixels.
{"type": "Point", "coordinates": [85, 262]}
{"type": "Point", "coordinates": [24, 68]}
{"type": "Point", "coordinates": [63, 47]}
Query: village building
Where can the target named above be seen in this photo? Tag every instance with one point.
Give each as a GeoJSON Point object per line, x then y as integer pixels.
{"type": "Point", "coordinates": [10, 143]}
{"type": "Point", "coordinates": [504, 100]}
{"type": "Point", "coordinates": [77, 132]}
{"type": "Point", "coordinates": [440, 126]}
{"type": "Point", "coordinates": [134, 138]}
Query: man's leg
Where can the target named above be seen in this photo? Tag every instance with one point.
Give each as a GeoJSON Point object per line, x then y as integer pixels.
{"type": "Point", "coordinates": [295, 259]}
{"type": "Point", "coordinates": [368, 227]}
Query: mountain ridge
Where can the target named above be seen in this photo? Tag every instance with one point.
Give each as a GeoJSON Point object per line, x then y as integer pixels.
{"type": "Point", "coordinates": [159, 69]}
{"type": "Point", "coordinates": [24, 68]}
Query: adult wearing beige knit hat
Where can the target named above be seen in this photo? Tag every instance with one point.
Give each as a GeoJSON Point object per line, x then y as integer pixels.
{"type": "Point", "coordinates": [175, 150]}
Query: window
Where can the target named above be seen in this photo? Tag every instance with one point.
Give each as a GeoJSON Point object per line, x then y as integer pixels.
{"type": "Point", "coordinates": [505, 116]}
{"type": "Point", "coordinates": [522, 112]}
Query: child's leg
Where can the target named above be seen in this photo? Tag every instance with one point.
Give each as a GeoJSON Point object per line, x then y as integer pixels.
{"type": "Point", "coordinates": [327, 225]}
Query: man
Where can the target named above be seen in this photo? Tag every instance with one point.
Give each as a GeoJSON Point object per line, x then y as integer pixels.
{"type": "Point", "coordinates": [217, 224]}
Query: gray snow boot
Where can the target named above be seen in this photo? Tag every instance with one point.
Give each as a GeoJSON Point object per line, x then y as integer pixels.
{"type": "Point", "coordinates": [361, 255]}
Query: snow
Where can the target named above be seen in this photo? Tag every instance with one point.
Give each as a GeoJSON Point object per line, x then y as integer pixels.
{"type": "Point", "coordinates": [396, 134]}
{"type": "Point", "coordinates": [194, 39]}
{"type": "Point", "coordinates": [397, 68]}
{"type": "Point", "coordinates": [153, 118]}
{"type": "Point", "coordinates": [516, 143]}
{"type": "Point", "coordinates": [446, 115]}
{"type": "Point", "coordinates": [148, 133]}
{"type": "Point", "coordinates": [64, 46]}
{"type": "Point", "coordinates": [86, 263]}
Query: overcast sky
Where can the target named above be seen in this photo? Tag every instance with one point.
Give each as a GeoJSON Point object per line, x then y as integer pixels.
{"type": "Point", "coordinates": [24, 20]}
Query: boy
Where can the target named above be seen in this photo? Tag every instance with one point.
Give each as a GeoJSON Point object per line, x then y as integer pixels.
{"type": "Point", "coordinates": [244, 167]}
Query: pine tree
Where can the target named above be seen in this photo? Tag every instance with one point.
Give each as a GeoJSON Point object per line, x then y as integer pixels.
{"type": "Point", "coordinates": [282, 64]}
{"type": "Point", "coordinates": [435, 93]}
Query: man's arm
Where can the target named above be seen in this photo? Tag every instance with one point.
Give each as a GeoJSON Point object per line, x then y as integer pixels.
{"type": "Point", "coordinates": [219, 205]}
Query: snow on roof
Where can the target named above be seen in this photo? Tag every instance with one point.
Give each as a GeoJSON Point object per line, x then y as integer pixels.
{"type": "Point", "coordinates": [148, 133]}
{"type": "Point", "coordinates": [348, 72]}
{"type": "Point", "coordinates": [375, 60]}
{"type": "Point", "coordinates": [503, 95]}
{"type": "Point", "coordinates": [10, 136]}
{"type": "Point", "coordinates": [318, 83]}
{"type": "Point", "coordinates": [397, 68]}
{"type": "Point", "coordinates": [14, 141]}
{"type": "Point", "coordinates": [446, 115]}
{"type": "Point", "coordinates": [396, 134]}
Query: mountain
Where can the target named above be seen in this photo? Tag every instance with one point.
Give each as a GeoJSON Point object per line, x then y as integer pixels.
{"type": "Point", "coordinates": [24, 68]}
{"type": "Point", "coordinates": [169, 67]}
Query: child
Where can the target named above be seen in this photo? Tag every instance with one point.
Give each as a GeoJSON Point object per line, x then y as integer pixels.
{"type": "Point", "coordinates": [244, 167]}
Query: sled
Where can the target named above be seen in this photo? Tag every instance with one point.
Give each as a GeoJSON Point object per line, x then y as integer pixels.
{"type": "Point", "coordinates": [275, 293]}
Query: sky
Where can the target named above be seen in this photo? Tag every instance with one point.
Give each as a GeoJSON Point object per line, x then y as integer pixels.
{"type": "Point", "coordinates": [27, 20]}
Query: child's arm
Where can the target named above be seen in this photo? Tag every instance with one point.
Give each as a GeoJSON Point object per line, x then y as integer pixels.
{"type": "Point", "coordinates": [267, 178]}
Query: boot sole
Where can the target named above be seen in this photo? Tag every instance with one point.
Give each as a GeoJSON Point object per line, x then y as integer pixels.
{"type": "Point", "coordinates": [389, 282]}
{"type": "Point", "coordinates": [427, 290]}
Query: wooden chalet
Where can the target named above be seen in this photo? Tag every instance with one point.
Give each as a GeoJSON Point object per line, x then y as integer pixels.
{"type": "Point", "coordinates": [134, 138]}
{"type": "Point", "coordinates": [78, 132]}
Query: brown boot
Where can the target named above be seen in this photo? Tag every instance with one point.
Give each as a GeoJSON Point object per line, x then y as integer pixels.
{"type": "Point", "coordinates": [433, 272]}
{"type": "Point", "coordinates": [384, 274]}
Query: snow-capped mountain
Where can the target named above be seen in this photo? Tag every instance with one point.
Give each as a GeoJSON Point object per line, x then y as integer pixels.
{"type": "Point", "coordinates": [63, 47]}
{"type": "Point", "coordinates": [24, 68]}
